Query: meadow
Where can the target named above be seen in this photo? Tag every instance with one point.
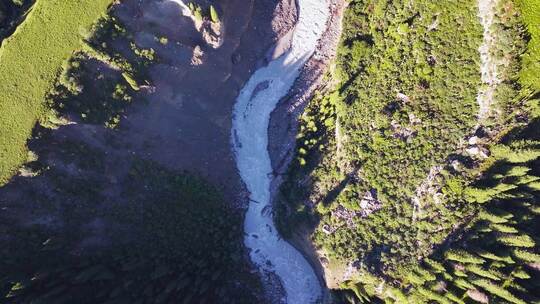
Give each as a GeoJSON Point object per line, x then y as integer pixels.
{"type": "Point", "coordinates": [530, 72]}
{"type": "Point", "coordinates": [30, 61]}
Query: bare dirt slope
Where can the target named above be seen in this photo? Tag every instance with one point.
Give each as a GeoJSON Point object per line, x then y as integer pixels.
{"type": "Point", "coordinates": [181, 120]}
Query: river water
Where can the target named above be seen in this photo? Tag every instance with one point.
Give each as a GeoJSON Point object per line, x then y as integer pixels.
{"type": "Point", "coordinates": [252, 111]}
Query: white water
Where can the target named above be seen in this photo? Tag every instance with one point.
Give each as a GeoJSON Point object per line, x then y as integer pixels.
{"type": "Point", "coordinates": [250, 139]}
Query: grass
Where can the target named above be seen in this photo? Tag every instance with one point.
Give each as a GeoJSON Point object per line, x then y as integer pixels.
{"type": "Point", "coordinates": [530, 72]}
{"type": "Point", "coordinates": [30, 61]}
{"type": "Point", "coordinates": [388, 141]}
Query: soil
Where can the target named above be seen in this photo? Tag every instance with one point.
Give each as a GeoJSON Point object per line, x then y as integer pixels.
{"type": "Point", "coordinates": [180, 120]}
{"type": "Point", "coordinates": [11, 16]}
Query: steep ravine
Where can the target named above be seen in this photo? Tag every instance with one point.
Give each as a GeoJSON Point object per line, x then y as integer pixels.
{"type": "Point", "coordinates": [252, 110]}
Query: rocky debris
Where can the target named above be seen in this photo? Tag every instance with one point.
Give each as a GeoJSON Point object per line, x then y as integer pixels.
{"type": "Point", "coordinates": [490, 77]}
{"type": "Point", "coordinates": [534, 266]}
{"type": "Point", "coordinates": [434, 24]}
{"type": "Point", "coordinates": [27, 172]}
{"type": "Point", "coordinates": [429, 187]}
{"type": "Point", "coordinates": [284, 119]}
{"type": "Point", "coordinates": [147, 89]}
{"type": "Point", "coordinates": [324, 261]}
{"type": "Point", "coordinates": [413, 120]}
{"type": "Point", "coordinates": [478, 151]}
{"type": "Point", "coordinates": [285, 17]}
{"type": "Point", "coordinates": [369, 203]}
{"type": "Point", "coordinates": [402, 97]}
{"type": "Point", "coordinates": [351, 269]}
{"type": "Point", "coordinates": [212, 33]}
{"type": "Point", "coordinates": [197, 56]}
{"type": "Point", "coordinates": [345, 215]}
{"type": "Point", "coordinates": [489, 63]}
{"type": "Point", "coordinates": [259, 88]}
{"type": "Point", "coordinates": [281, 47]}
{"type": "Point", "coordinates": [432, 60]}
{"type": "Point", "coordinates": [405, 133]}
{"type": "Point", "coordinates": [327, 229]}
{"type": "Point", "coordinates": [438, 198]}
{"type": "Point", "coordinates": [283, 126]}
{"type": "Point", "coordinates": [456, 165]}
{"type": "Point", "coordinates": [401, 132]}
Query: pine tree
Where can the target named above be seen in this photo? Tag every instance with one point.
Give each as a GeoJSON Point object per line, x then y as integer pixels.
{"type": "Point", "coordinates": [497, 291]}
{"type": "Point", "coordinates": [521, 240]}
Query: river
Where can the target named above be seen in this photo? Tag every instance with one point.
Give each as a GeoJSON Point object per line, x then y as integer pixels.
{"type": "Point", "coordinates": [251, 116]}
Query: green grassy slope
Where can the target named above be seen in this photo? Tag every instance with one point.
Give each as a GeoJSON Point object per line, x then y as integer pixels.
{"type": "Point", "coordinates": [30, 61]}
{"type": "Point", "coordinates": [530, 73]}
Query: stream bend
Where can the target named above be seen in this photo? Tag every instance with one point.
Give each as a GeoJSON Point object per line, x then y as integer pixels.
{"type": "Point", "coordinates": [251, 116]}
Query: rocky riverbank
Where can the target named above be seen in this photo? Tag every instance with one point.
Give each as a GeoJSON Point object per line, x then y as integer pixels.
{"type": "Point", "coordinates": [283, 125]}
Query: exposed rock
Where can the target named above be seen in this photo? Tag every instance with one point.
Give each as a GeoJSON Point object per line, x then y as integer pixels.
{"type": "Point", "coordinates": [413, 120]}
{"type": "Point", "coordinates": [478, 296]}
{"type": "Point", "coordinates": [477, 151]}
{"type": "Point", "coordinates": [212, 33]}
{"type": "Point", "coordinates": [196, 58]}
{"type": "Point", "coordinates": [456, 165]}
{"type": "Point", "coordinates": [401, 132]}
{"type": "Point", "coordinates": [327, 229]}
{"type": "Point", "coordinates": [281, 46]}
{"type": "Point", "coordinates": [369, 203]}
{"type": "Point", "coordinates": [260, 87]}
{"type": "Point", "coordinates": [434, 24]}
{"type": "Point", "coordinates": [344, 214]}
{"type": "Point", "coordinates": [324, 261]}
{"type": "Point", "coordinates": [432, 60]}
{"type": "Point", "coordinates": [403, 97]}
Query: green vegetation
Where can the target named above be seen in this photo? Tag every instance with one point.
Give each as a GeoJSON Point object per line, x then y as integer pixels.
{"type": "Point", "coordinates": [12, 12]}
{"type": "Point", "coordinates": [405, 100]}
{"type": "Point", "coordinates": [530, 73]}
{"type": "Point", "coordinates": [496, 259]}
{"type": "Point", "coordinates": [400, 107]}
{"type": "Point", "coordinates": [30, 61]}
{"type": "Point", "coordinates": [91, 91]}
{"type": "Point", "coordinates": [183, 246]}
{"type": "Point", "coordinates": [169, 238]}
{"type": "Point", "coordinates": [200, 14]}
{"type": "Point", "coordinates": [98, 83]}
{"type": "Point", "coordinates": [214, 14]}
